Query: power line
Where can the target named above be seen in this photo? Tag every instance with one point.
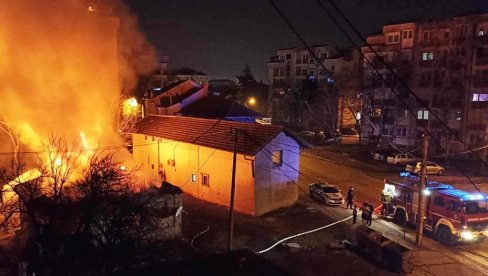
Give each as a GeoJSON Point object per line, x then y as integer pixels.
{"type": "Point", "coordinates": [396, 76]}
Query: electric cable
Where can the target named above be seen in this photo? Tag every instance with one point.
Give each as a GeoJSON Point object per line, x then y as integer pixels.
{"type": "Point", "coordinates": [402, 83]}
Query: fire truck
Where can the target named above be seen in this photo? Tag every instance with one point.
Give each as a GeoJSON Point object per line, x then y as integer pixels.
{"type": "Point", "coordinates": [451, 215]}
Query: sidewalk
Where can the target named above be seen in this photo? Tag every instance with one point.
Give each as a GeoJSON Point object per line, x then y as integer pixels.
{"type": "Point", "coordinates": [431, 258]}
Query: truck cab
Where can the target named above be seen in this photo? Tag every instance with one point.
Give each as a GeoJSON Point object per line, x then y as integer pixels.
{"type": "Point", "coordinates": [451, 214]}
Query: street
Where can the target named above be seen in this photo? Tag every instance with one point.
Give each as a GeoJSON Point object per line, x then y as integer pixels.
{"type": "Point", "coordinates": [368, 183]}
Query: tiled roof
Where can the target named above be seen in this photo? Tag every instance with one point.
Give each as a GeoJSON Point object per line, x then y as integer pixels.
{"type": "Point", "coordinates": [209, 133]}
{"type": "Point", "coordinates": [216, 107]}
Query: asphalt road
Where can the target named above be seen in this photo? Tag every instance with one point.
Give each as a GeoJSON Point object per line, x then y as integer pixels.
{"type": "Point", "coordinates": [367, 181]}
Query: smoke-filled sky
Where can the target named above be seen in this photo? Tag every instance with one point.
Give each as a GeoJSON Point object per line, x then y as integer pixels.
{"type": "Point", "coordinates": [61, 67]}
{"type": "Point", "coordinates": [220, 36]}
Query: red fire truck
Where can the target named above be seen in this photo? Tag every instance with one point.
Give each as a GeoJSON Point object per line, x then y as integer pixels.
{"type": "Point", "coordinates": [451, 215]}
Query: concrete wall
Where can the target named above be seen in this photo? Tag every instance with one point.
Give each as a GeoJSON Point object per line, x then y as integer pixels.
{"type": "Point", "coordinates": [260, 186]}
{"type": "Point", "coordinates": [273, 188]}
{"type": "Point", "coordinates": [192, 159]}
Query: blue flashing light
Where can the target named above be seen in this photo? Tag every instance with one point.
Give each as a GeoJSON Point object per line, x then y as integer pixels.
{"type": "Point", "coordinates": [463, 195]}
{"type": "Point", "coordinates": [157, 88]}
{"type": "Point", "coordinates": [404, 174]}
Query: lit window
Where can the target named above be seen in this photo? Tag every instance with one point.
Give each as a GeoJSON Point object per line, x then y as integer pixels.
{"type": "Point", "coordinates": [377, 112]}
{"type": "Point", "coordinates": [428, 56]}
{"type": "Point", "coordinates": [193, 177]}
{"type": "Point", "coordinates": [278, 158]}
{"type": "Point", "coordinates": [423, 114]}
{"type": "Point", "coordinates": [482, 32]}
{"type": "Point", "coordinates": [480, 98]}
{"type": "Point", "coordinates": [205, 179]}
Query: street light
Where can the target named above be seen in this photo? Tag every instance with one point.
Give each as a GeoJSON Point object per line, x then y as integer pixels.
{"type": "Point", "coordinates": [251, 101]}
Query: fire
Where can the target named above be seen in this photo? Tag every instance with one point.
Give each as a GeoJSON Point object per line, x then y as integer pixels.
{"type": "Point", "coordinates": [62, 67]}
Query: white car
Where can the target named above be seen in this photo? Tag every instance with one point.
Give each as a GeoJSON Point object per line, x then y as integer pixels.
{"type": "Point", "coordinates": [326, 193]}
{"type": "Point", "coordinates": [432, 168]}
{"type": "Point", "coordinates": [401, 159]}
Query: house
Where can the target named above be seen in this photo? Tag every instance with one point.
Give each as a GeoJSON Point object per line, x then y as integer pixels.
{"type": "Point", "coordinates": [196, 155]}
{"type": "Point", "coordinates": [174, 97]}
{"type": "Point", "coordinates": [217, 107]}
{"type": "Point", "coordinates": [188, 98]}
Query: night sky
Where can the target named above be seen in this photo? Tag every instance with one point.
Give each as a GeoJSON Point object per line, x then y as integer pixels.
{"type": "Point", "coordinates": [220, 36]}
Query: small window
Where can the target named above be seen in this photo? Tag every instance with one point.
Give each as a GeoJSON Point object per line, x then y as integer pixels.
{"type": "Point", "coordinates": [288, 56]}
{"type": "Point", "coordinates": [427, 56]}
{"type": "Point", "coordinates": [193, 177]}
{"type": "Point", "coordinates": [454, 206]}
{"type": "Point", "coordinates": [145, 137]}
{"type": "Point", "coordinates": [205, 179]}
{"type": "Point", "coordinates": [152, 166]}
{"type": "Point", "coordinates": [438, 201]}
{"type": "Point", "coordinates": [278, 158]}
{"type": "Point", "coordinates": [423, 114]}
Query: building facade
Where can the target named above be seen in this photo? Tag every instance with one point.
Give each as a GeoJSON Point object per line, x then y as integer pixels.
{"type": "Point", "coordinates": [445, 63]}
{"type": "Point", "coordinates": [196, 155]}
{"type": "Point", "coordinates": [291, 69]}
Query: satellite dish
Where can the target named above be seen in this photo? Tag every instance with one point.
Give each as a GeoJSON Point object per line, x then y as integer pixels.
{"type": "Point", "coordinates": [178, 212]}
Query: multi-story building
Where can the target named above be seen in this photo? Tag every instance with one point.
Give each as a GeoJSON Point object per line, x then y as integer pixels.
{"type": "Point", "coordinates": [444, 63]}
{"type": "Point", "coordinates": [291, 68]}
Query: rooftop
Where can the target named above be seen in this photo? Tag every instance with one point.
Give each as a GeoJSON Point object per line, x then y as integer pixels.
{"type": "Point", "coordinates": [216, 107]}
{"type": "Point", "coordinates": [209, 132]}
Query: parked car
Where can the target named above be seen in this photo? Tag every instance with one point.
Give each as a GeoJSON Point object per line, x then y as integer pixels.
{"type": "Point", "coordinates": [330, 137]}
{"type": "Point", "coordinates": [307, 133]}
{"type": "Point", "coordinates": [401, 159]}
{"type": "Point", "coordinates": [432, 168]}
{"type": "Point", "coordinates": [326, 193]}
{"type": "Point", "coordinates": [382, 154]}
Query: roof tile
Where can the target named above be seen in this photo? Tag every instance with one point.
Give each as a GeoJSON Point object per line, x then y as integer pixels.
{"type": "Point", "coordinates": [209, 132]}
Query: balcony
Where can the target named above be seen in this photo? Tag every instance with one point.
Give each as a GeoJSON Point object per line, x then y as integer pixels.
{"type": "Point", "coordinates": [275, 59]}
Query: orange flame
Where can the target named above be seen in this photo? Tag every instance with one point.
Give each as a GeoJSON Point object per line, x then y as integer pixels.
{"type": "Point", "coordinates": [62, 67]}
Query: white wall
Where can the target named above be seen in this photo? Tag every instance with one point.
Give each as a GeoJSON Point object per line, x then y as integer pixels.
{"type": "Point", "coordinates": [273, 188]}
{"type": "Point", "coordinates": [260, 186]}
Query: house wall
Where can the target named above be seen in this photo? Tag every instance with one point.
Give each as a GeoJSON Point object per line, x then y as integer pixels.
{"type": "Point", "coordinates": [192, 159]}
{"type": "Point", "coordinates": [273, 187]}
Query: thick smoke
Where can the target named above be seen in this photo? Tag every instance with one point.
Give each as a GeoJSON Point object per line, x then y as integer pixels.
{"type": "Point", "coordinates": [63, 65]}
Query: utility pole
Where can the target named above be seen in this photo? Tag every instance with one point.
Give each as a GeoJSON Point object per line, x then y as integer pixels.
{"type": "Point", "coordinates": [232, 192]}
{"type": "Point", "coordinates": [421, 210]}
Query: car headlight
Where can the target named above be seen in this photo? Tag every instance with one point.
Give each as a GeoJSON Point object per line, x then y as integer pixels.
{"type": "Point", "coordinates": [467, 235]}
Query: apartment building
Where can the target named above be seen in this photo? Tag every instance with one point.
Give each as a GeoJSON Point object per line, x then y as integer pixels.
{"type": "Point", "coordinates": [291, 68]}
{"type": "Point", "coordinates": [445, 63]}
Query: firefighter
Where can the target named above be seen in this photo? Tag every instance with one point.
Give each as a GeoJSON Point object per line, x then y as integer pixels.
{"type": "Point", "coordinates": [370, 214]}
{"type": "Point", "coordinates": [350, 197]}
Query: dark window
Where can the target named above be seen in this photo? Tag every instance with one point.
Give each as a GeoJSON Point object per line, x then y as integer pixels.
{"type": "Point", "coordinates": [438, 201]}
{"type": "Point", "coordinates": [454, 206]}
{"type": "Point", "coordinates": [288, 56]}
{"type": "Point", "coordinates": [205, 179]}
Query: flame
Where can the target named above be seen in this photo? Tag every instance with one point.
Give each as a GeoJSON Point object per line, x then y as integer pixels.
{"type": "Point", "coordinates": [62, 66]}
